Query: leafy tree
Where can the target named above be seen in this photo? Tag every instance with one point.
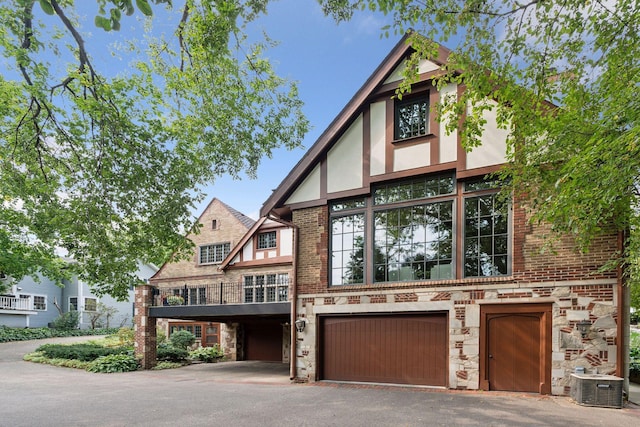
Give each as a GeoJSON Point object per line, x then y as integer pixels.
{"type": "Point", "coordinates": [565, 76]}
{"type": "Point", "coordinates": [107, 166]}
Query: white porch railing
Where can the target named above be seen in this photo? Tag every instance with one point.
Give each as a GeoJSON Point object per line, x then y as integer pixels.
{"type": "Point", "coordinates": [13, 303]}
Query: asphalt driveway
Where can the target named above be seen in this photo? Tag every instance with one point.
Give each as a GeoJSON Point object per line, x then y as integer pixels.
{"type": "Point", "coordinates": [254, 394]}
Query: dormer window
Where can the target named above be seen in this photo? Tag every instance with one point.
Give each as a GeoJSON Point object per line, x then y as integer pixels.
{"type": "Point", "coordinates": [267, 240]}
{"type": "Point", "coordinates": [411, 117]}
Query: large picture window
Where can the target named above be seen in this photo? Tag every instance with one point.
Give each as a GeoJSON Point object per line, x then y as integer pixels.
{"type": "Point", "coordinates": [414, 243]}
{"type": "Point", "coordinates": [420, 229]}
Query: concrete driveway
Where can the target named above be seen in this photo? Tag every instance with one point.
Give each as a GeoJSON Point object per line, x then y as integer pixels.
{"type": "Point", "coordinates": [255, 394]}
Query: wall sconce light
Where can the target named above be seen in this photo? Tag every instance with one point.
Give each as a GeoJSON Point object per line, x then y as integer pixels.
{"type": "Point", "coordinates": [583, 326]}
{"type": "Point", "coordinates": [300, 325]}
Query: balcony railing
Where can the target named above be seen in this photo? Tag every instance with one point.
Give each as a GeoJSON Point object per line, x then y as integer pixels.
{"type": "Point", "coordinates": [223, 293]}
{"type": "Point", "coordinates": [13, 303]}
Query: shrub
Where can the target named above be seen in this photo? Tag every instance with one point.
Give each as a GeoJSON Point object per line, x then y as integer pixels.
{"type": "Point", "coordinates": [166, 365]}
{"type": "Point", "coordinates": [8, 334]}
{"type": "Point", "coordinates": [182, 339]}
{"type": "Point", "coordinates": [175, 300]}
{"type": "Point", "coordinates": [82, 351]}
{"type": "Point", "coordinates": [126, 336]}
{"type": "Point", "coordinates": [171, 354]}
{"type": "Point", "coordinates": [67, 321]}
{"type": "Point", "coordinates": [207, 354]}
{"type": "Point", "coordinates": [161, 337]}
{"type": "Point", "coordinates": [114, 363]}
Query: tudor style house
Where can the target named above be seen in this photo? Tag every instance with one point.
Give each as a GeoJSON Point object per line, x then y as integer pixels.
{"type": "Point", "coordinates": [234, 290]}
{"type": "Point", "coordinates": [410, 269]}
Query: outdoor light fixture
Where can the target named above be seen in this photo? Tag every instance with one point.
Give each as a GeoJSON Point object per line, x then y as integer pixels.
{"type": "Point", "coordinates": [300, 325]}
{"type": "Point", "coordinates": [583, 326]}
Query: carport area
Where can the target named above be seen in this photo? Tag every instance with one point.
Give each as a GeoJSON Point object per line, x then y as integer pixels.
{"type": "Point", "coordinates": [237, 372]}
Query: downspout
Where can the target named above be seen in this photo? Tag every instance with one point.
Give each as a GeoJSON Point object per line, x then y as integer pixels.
{"type": "Point", "coordinates": [622, 336]}
{"type": "Point", "coordinates": [294, 307]}
{"type": "Point", "coordinates": [294, 296]}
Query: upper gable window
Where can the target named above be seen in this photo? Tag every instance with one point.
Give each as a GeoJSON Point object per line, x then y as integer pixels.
{"type": "Point", "coordinates": [411, 117]}
{"type": "Point", "coordinates": [267, 240]}
{"type": "Point", "coordinates": [214, 224]}
{"type": "Point", "coordinates": [214, 254]}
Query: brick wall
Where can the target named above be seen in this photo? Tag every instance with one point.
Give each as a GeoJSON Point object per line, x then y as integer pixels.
{"type": "Point", "coordinates": [313, 249]}
{"type": "Point", "coordinates": [229, 230]}
{"type": "Point", "coordinates": [532, 262]}
{"type": "Point", "coordinates": [145, 328]}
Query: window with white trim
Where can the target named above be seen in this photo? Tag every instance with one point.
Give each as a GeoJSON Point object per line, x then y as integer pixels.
{"type": "Point", "coordinates": [39, 303]}
{"type": "Point", "coordinates": [90, 304]}
{"type": "Point", "coordinates": [214, 254]}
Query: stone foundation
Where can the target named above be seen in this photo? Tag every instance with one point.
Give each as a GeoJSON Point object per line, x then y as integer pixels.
{"type": "Point", "coordinates": [571, 302]}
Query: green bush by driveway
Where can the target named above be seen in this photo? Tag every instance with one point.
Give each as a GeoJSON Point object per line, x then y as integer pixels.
{"type": "Point", "coordinates": [24, 334]}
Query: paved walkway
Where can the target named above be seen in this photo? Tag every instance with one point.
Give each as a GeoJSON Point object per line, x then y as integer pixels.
{"type": "Point", "coordinates": [223, 394]}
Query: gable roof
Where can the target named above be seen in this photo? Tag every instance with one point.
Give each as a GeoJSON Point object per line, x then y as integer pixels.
{"type": "Point", "coordinates": [244, 220]}
{"type": "Point", "coordinates": [252, 232]}
{"type": "Point", "coordinates": [377, 79]}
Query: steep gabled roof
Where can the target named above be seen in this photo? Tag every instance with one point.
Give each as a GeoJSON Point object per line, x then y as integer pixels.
{"type": "Point", "coordinates": [400, 51]}
{"type": "Point", "coordinates": [245, 220]}
{"type": "Point", "coordinates": [252, 232]}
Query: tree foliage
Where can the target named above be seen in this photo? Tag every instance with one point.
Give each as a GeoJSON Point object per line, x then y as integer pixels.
{"type": "Point", "coordinates": [108, 164]}
{"type": "Point", "coordinates": [566, 78]}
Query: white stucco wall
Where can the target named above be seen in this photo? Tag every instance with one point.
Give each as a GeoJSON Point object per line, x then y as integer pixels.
{"type": "Point", "coordinates": [494, 143]}
{"type": "Point", "coordinates": [448, 143]}
{"type": "Point", "coordinates": [424, 67]}
{"type": "Point", "coordinates": [378, 127]}
{"type": "Point", "coordinates": [413, 156]}
{"type": "Point", "coordinates": [344, 160]}
{"type": "Point", "coordinates": [309, 189]}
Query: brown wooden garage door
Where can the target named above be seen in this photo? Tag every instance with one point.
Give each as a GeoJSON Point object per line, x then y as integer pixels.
{"type": "Point", "coordinates": [387, 349]}
{"type": "Point", "coordinates": [263, 341]}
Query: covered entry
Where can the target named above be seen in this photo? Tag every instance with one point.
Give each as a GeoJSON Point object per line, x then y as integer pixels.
{"type": "Point", "coordinates": [515, 348]}
{"type": "Point", "coordinates": [400, 349]}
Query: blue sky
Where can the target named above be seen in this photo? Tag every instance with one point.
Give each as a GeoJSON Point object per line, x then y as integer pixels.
{"type": "Point", "coordinates": [330, 62]}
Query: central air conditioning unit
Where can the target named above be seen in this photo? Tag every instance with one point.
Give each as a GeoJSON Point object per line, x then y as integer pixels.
{"type": "Point", "coordinates": [597, 390]}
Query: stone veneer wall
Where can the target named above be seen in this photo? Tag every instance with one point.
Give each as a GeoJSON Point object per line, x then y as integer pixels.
{"type": "Point", "coordinates": [569, 280]}
{"type": "Point", "coordinates": [594, 300]}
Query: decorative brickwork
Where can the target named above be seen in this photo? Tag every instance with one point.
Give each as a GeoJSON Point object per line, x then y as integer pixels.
{"type": "Point", "coordinates": [442, 296]}
{"type": "Point", "coordinates": [353, 299]}
{"type": "Point", "coordinates": [145, 327]}
{"type": "Point", "coordinates": [377, 299]}
{"type": "Point", "coordinates": [305, 301]}
{"type": "Point", "coordinates": [406, 297]}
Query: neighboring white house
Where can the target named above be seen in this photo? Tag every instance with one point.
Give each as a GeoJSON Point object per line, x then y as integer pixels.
{"type": "Point", "coordinates": [32, 304]}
